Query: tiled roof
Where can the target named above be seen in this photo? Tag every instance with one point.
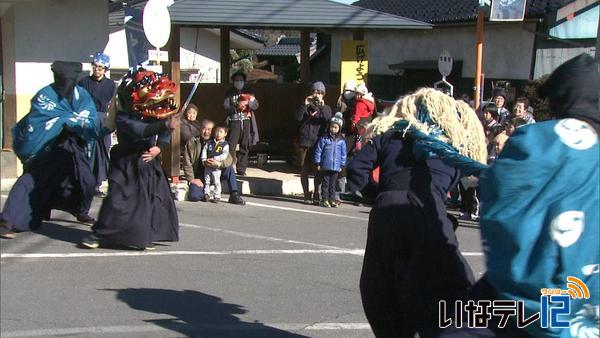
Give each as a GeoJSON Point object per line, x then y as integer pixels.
{"type": "Point", "coordinates": [284, 14]}
{"type": "Point", "coordinates": [450, 11]}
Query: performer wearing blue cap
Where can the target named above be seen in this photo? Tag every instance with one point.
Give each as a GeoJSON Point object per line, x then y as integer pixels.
{"type": "Point", "coordinates": [102, 90]}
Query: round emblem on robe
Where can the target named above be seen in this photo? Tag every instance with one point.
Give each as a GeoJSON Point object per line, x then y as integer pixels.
{"type": "Point", "coordinates": [576, 134]}
{"type": "Point", "coordinates": [567, 227]}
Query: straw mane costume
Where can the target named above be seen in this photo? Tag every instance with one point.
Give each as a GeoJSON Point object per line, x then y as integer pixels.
{"type": "Point", "coordinates": [139, 208]}
{"type": "Point", "coordinates": [412, 260]}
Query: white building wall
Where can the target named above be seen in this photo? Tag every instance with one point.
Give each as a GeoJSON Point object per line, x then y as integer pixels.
{"type": "Point", "coordinates": [45, 31]}
{"type": "Point", "coordinates": [507, 48]}
{"type": "Point", "coordinates": [36, 33]}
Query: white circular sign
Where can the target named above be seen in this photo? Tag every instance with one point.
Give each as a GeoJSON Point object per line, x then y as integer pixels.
{"type": "Point", "coordinates": [445, 63]}
{"type": "Point", "coordinates": [157, 23]}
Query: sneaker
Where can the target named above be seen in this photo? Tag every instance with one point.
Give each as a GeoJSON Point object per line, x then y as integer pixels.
{"type": "Point", "coordinates": [204, 198]}
{"type": "Point", "coordinates": [90, 241]}
{"type": "Point", "coordinates": [6, 233]}
{"type": "Point", "coordinates": [465, 216]}
{"type": "Point", "coordinates": [325, 204]}
{"type": "Point", "coordinates": [235, 198]}
{"type": "Point", "coordinates": [150, 247]}
{"type": "Point", "coordinates": [333, 204]}
{"type": "Point", "coordinates": [215, 200]}
{"type": "Point", "coordinates": [86, 219]}
{"type": "Point", "coordinates": [307, 201]}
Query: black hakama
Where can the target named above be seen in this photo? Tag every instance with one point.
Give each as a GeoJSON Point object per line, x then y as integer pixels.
{"type": "Point", "coordinates": [412, 260]}
{"type": "Point", "coordinates": [139, 208]}
{"type": "Point", "coordinates": [58, 178]}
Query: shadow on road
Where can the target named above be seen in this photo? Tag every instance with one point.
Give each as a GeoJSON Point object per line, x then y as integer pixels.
{"type": "Point", "coordinates": [65, 233]}
{"type": "Point", "coordinates": [195, 314]}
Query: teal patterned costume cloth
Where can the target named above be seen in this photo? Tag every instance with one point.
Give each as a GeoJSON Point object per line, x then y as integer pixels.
{"type": "Point", "coordinates": [541, 224]}
{"type": "Point", "coordinates": [44, 122]}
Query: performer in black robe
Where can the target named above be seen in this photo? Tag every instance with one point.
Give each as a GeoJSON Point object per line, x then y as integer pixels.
{"type": "Point", "coordinates": [412, 260]}
{"type": "Point", "coordinates": [139, 208]}
{"type": "Point", "coordinates": [53, 142]}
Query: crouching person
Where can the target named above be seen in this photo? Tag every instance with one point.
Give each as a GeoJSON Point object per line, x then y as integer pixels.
{"type": "Point", "coordinates": [194, 170]}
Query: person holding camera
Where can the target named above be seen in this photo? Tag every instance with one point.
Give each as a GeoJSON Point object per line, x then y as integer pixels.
{"type": "Point", "coordinates": [239, 106]}
{"type": "Point", "coordinates": [313, 115]}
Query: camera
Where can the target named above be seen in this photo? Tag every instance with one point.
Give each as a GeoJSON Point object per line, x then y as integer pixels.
{"type": "Point", "coordinates": [313, 100]}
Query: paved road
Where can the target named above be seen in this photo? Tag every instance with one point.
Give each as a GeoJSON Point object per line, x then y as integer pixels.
{"type": "Point", "coordinates": [272, 268]}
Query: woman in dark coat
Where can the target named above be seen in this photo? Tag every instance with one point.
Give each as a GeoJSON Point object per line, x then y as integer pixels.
{"type": "Point", "coordinates": [190, 126]}
{"type": "Point", "coordinates": [412, 260]}
{"type": "Point", "coordinates": [139, 208]}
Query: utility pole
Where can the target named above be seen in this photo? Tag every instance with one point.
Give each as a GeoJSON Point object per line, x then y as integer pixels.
{"type": "Point", "coordinates": [479, 56]}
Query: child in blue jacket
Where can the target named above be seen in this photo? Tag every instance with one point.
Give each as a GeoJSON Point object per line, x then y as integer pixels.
{"type": "Point", "coordinates": [330, 158]}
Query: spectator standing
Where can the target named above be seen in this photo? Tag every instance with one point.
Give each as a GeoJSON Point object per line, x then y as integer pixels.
{"type": "Point", "coordinates": [346, 104]}
{"type": "Point", "coordinates": [102, 90]}
{"type": "Point", "coordinates": [190, 127]}
{"type": "Point", "coordinates": [522, 110]}
{"type": "Point", "coordinates": [217, 150]}
{"type": "Point", "coordinates": [313, 115]}
{"type": "Point", "coordinates": [363, 112]}
{"type": "Point", "coordinates": [490, 119]}
{"type": "Point", "coordinates": [330, 158]}
{"type": "Point", "coordinates": [499, 99]}
{"type": "Point", "coordinates": [514, 123]}
{"type": "Point", "coordinates": [240, 105]}
{"type": "Point", "coordinates": [193, 168]}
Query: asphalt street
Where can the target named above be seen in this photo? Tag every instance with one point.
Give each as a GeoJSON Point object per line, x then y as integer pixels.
{"type": "Point", "coordinates": [272, 268]}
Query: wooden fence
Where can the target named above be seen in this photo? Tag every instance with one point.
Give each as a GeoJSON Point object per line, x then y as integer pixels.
{"type": "Point", "coordinates": [275, 115]}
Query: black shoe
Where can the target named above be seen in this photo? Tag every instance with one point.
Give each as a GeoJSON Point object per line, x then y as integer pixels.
{"type": "Point", "coordinates": [86, 219]}
{"type": "Point", "coordinates": [90, 241]}
{"type": "Point", "coordinates": [235, 198]}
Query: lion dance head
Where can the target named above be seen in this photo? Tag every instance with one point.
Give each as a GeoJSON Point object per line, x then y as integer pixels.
{"type": "Point", "coordinates": [148, 94]}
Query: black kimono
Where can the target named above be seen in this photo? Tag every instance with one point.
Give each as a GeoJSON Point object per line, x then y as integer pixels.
{"type": "Point", "coordinates": [411, 259]}
{"type": "Point", "coordinates": [139, 208]}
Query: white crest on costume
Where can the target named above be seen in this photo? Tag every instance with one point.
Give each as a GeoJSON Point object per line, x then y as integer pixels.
{"type": "Point", "coordinates": [50, 123]}
{"type": "Point", "coordinates": [591, 269]}
{"type": "Point", "coordinates": [45, 102]}
{"type": "Point", "coordinates": [576, 134]}
{"type": "Point", "coordinates": [76, 93]}
{"type": "Point", "coordinates": [83, 116]}
{"type": "Point", "coordinates": [567, 227]}
{"type": "Point", "coordinates": [30, 128]}
{"type": "Point", "coordinates": [584, 324]}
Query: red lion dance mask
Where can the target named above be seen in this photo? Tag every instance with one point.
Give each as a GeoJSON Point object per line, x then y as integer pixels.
{"type": "Point", "coordinates": [151, 95]}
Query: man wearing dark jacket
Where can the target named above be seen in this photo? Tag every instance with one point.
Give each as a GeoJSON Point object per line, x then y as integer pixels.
{"type": "Point", "coordinates": [313, 115]}
{"type": "Point", "coordinates": [194, 170]}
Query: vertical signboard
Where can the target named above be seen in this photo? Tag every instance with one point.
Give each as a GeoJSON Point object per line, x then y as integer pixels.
{"type": "Point", "coordinates": [355, 61]}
